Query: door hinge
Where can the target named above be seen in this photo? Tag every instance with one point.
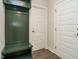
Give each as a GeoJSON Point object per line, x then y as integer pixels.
{"type": "Point", "coordinates": [55, 29]}
{"type": "Point", "coordinates": [55, 47]}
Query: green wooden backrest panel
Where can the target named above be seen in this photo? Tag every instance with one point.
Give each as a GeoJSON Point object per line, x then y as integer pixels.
{"type": "Point", "coordinates": [17, 27]}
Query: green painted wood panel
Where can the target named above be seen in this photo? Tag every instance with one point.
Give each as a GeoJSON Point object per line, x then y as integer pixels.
{"type": "Point", "coordinates": [16, 27]}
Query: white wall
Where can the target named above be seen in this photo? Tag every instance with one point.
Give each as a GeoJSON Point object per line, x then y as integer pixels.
{"type": "Point", "coordinates": [40, 2]}
{"type": "Point", "coordinates": [51, 25]}
{"type": "Point", "coordinates": [1, 27]}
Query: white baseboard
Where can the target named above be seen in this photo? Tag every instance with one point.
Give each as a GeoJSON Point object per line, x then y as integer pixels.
{"type": "Point", "coordinates": [51, 49]}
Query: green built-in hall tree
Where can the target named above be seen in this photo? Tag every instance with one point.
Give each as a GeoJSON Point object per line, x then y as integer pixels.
{"type": "Point", "coordinates": [17, 44]}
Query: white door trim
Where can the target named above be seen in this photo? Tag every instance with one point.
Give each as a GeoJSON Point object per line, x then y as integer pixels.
{"type": "Point", "coordinates": [46, 17]}
{"type": "Point", "coordinates": [39, 6]}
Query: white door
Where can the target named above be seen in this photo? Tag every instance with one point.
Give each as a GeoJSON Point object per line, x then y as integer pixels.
{"type": "Point", "coordinates": [38, 27]}
{"type": "Point", "coordinates": [66, 40]}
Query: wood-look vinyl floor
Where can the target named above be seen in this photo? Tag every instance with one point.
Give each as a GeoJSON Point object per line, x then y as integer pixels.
{"type": "Point", "coordinates": [44, 54]}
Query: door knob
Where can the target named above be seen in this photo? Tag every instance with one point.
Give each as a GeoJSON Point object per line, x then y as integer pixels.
{"type": "Point", "coordinates": [33, 31]}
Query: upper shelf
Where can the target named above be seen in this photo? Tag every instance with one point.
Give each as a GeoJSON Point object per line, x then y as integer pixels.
{"type": "Point", "coordinates": [21, 3]}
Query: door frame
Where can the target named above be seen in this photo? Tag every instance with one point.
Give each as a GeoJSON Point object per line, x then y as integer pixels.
{"type": "Point", "coordinates": [46, 18]}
